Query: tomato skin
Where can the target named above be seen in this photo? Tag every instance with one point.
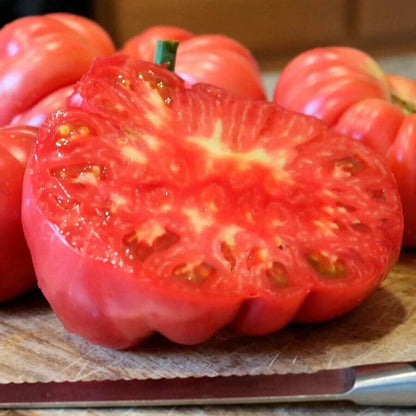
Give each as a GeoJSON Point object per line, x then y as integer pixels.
{"type": "Point", "coordinates": [114, 315]}
{"type": "Point", "coordinates": [151, 206]}
{"type": "Point", "coordinates": [373, 121]}
{"type": "Point", "coordinates": [400, 157]}
{"type": "Point", "coordinates": [348, 90]}
{"type": "Point", "coordinates": [16, 271]}
{"type": "Point", "coordinates": [41, 54]}
{"type": "Point", "coordinates": [210, 58]}
{"type": "Point", "coordinates": [37, 114]}
{"type": "Point", "coordinates": [324, 82]}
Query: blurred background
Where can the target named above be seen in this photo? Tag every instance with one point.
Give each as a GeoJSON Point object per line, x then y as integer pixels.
{"type": "Point", "coordinates": [12, 9]}
{"type": "Point", "coordinates": [273, 30]}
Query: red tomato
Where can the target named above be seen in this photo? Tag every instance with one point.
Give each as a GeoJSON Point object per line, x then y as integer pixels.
{"type": "Point", "coordinates": [41, 54]}
{"type": "Point", "coordinates": [349, 91]}
{"type": "Point", "coordinates": [213, 59]}
{"type": "Point", "coordinates": [152, 206]}
{"type": "Point", "coordinates": [37, 114]}
{"type": "Point", "coordinates": [403, 88]}
{"type": "Point", "coordinates": [16, 271]}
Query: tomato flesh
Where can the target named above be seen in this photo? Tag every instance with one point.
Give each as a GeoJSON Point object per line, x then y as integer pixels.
{"type": "Point", "coordinates": [182, 210]}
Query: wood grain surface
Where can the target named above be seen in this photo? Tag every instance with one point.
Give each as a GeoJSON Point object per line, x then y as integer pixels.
{"type": "Point", "coordinates": [35, 347]}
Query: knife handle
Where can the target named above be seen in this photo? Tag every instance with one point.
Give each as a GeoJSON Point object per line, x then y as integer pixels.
{"type": "Point", "coordinates": [384, 385]}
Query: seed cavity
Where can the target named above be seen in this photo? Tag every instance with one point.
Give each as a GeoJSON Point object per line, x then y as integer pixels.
{"type": "Point", "coordinates": [360, 227]}
{"type": "Point", "coordinates": [68, 133]}
{"type": "Point", "coordinates": [255, 257]}
{"type": "Point", "coordinates": [351, 165]}
{"type": "Point", "coordinates": [165, 241]}
{"type": "Point", "coordinates": [227, 253]}
{"type": "Point", "coordinates": [194, 273]}
{"type": "Point", "coordinates": [377, 194]}
{"type": "Point", "coordinates": [277, 274]}
{"type": "Point", "coordinates": [326, 265]}
{"type": "Point", "coordinates": [136, 248]}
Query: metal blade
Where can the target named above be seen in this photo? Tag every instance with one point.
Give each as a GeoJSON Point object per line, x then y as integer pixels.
{"type": "Point", "coordinates": [177, 391]}
{"type": "Point", "coordinates": [342, 384]}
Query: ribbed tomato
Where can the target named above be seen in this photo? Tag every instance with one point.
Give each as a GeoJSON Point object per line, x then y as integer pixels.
{"type": "Point", "coordinates": [41, 54]}
{"type": "Point", "coordinates": [211, 58]}
{"type": "Point", "coordinates": [347, 89]}
{"type": "Point", "coordinates": [153, 206]}
{"type": "Point", "coordinates": [16, 271]}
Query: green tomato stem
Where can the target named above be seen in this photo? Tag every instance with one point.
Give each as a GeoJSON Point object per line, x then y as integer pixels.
{"type": "Point", "coordinates": [165, 53]}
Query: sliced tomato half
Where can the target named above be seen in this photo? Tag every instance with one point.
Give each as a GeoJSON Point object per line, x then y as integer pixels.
{"type": "Point", "coordinates": [149, 207]}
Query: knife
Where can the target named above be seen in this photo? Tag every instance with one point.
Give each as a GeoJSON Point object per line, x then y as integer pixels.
{"type": "Point", "coordinates": [392, 384]}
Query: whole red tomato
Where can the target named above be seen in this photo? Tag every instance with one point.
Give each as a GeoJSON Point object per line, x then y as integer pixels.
{"type": "Point", "coordinates": [211, 58]}
{"type": "Point", "coordinates": [16, 271]}
{"type": "Point", "coordinates": [347, 89]}
{"type": "Point", "coordinates": [41, 54]}
{"type": "Point", "coordinates": [37, 114]}
{"type": "Point", "coordinates": [151, 206]}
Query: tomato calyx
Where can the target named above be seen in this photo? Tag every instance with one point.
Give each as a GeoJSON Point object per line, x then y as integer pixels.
{"type": "Point", "coordinates": [165, 53]}
{"type": "Point", "coordinates": [406, 105]}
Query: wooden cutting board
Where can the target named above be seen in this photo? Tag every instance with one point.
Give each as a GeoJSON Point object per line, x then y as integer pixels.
{"type": "Point", "coordinates": [35, 347]}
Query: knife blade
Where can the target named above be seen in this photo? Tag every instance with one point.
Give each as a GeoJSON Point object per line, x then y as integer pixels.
{"type": "Point", "coordinates": [390, 384]}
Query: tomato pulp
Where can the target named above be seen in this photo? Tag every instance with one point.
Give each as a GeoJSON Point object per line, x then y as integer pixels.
{"type": "Point", "coordinates": [153, 206]}
{"type": "Point", "coordinates": [348, 90]}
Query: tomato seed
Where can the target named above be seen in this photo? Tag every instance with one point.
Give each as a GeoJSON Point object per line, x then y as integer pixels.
{"type": "Point", "coordinates": [134, 249]}
{"type": "Point", "coordinates": [140, 250]}
{"type": "Point", "coordinates": [195, 274]}
{"type": "Point", "coordinates": [73, 172]}
{"type": "Point", "coordinates": [204, 270]}
{"type": "Point", "coordinates": [350, 164]}
{"type": "Point", "coordinates": [165, 241]}
{"type": "Point", "coordinates": [255, 257]}
{"type": "Point", "coordinates": [360, 227]}
{"type": "Point", "coordinates": [227, 254]}
{"type": "Point", "coordinates": [344, 208]}
{"type": "Point", "coordinates": [326, 266]}
{"type": "Point", "coordinates": [277, 274]}
{"type": "Point", "coordinates": [83, 131]}
{"type": "Point", "coordinates": [129, 238]}
{"type": "Point", "coordinates": [64, 129]}
{"type": "Point", "coordinates": [183, 272]}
